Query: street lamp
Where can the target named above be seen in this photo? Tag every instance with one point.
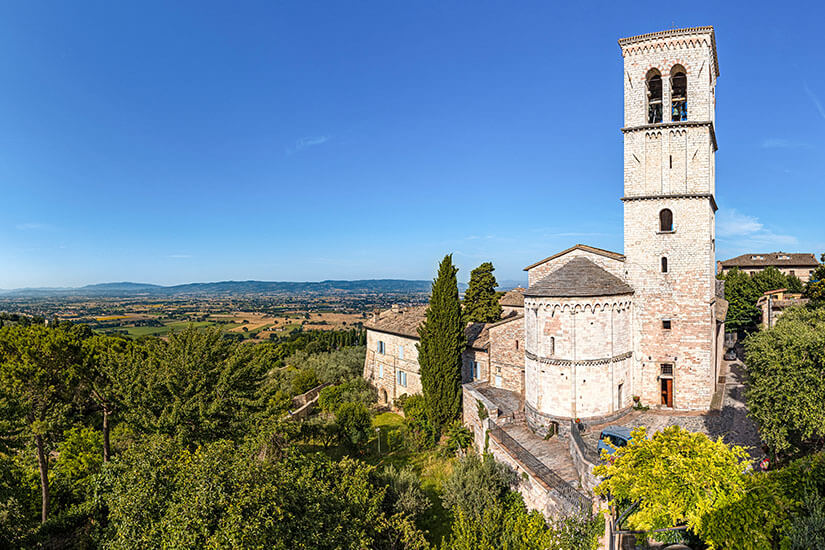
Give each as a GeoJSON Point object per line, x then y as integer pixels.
{"type": "Point", "coordinates": [378, 433]}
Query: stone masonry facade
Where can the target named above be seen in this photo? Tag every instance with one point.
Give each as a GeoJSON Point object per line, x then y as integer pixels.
{"type": "Point", "coordinates": [596, 330]}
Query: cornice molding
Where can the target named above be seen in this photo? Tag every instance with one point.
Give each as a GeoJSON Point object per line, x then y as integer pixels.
{"type": "Point", "coordinates": [677, 196]}
{"type": "Point", "coordinates": [570, 362]}
{"type": "Point", "coordinates": [632, 44]}
{"type": "Point", "coordinates": [681, 124]}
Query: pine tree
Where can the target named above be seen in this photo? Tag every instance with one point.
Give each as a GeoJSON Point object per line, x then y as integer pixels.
{"type": "Point", "coordinates": [440, 348]}
{"type": "Point", "coordinates": [481, 303]}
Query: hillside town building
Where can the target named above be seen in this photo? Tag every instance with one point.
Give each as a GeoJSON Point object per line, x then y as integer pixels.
{"type": "Point", "coordinates": [596, 330]}
{"type": "Point", "coordinates": [801, 265]}
{"type": "Point", "coordinates": [773, 303]}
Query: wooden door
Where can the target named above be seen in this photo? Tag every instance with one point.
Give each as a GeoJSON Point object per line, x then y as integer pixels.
{"type": "Point", "coordinates": [667, 392]}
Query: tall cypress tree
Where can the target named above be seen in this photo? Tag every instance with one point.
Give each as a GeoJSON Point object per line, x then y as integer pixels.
{"type": "Point", "coordinates": [439, 350]}
{"type": "Point", "coordinates": [481, 301]}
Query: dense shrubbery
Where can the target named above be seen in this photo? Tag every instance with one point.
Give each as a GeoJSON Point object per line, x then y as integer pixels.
{"type": "Point", "coordinates": [490, 516]}
{"type": "Point", "coordinates": [311, 342]}
{"type": "Point", "coordinates": [180, 412]}
{"type": "Point", "coordinates": [743, 290]}
{"type": "Point", "coordinates": [685, 478]}
{"type": "Point", "coordinates": [786, 382]}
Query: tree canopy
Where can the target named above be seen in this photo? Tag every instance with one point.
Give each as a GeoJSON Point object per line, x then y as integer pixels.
{"type": "Point", "coordinates": [786, 381]}
{"type": "Point", "coordinates": [481, 302]}
{"type": "Point", "coordinates": [441, 344]}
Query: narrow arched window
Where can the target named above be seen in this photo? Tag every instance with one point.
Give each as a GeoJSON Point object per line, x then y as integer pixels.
{"type": "Point", "coordinates": [678, 94]}
{"type": "Point", "coordinates": [552, 346]}
{"type": "Point", "coordinates": [654, 96]}
{"type": "Point", "coordinates": [666, 220]}
{"type": "Point", "coordinates": [664, 264]}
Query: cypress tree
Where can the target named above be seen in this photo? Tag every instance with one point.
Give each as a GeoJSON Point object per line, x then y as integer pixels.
{"type": "Point", "coordinates": [439, 350]}
{"type": "Point", "coordinates": [481, 301]}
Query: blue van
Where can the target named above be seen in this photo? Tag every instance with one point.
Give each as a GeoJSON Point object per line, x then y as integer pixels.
{"type": "Point", "coordinates": [617, 435]}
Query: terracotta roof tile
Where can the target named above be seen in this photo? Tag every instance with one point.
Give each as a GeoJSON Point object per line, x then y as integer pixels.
{"type": "Point", "coordinates": [779, 259]}
{"type": "Point", "coordinates": [405, 322]}
{"type": "Point", "coordinates": [513, 298]}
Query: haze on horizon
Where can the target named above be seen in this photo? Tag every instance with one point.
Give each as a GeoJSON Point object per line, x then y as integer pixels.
{"type": "Point", "coordinates": [196, 142]}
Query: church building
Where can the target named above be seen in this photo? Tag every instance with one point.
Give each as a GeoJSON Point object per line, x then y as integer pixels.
{"type": "Point", "coordinates": [596, 330]}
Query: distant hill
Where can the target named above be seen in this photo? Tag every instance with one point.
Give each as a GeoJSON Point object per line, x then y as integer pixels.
{"type": "Point", "coordinates": [231, 288]}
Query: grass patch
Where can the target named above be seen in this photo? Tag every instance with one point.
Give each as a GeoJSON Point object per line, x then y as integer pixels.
{"type": "Point", "coordinates": [432, 469]}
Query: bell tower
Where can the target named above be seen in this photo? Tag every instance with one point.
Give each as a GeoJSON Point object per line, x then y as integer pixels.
{"type": "Point", "coordinates": [669, 213]}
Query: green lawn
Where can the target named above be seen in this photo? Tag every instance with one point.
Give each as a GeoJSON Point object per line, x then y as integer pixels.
{"type": "Point", "coordinates": [432, 468]}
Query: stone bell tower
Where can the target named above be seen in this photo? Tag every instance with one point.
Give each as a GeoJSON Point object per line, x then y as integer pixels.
{"type": "Point", "coordinates": [669, 213]}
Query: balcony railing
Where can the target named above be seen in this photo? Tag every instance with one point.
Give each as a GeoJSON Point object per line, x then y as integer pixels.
{"type": "Point", "coordinates": [573, 496]}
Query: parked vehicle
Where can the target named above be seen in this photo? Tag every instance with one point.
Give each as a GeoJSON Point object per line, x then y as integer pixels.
{"type": "Point", "coordinates": [619, 436]}
{"type": "Point", "coordinates": [730, 355]}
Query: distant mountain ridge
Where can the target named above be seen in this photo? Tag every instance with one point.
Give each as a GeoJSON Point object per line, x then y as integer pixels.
{"type": "Point", "coordinates": [229, 288]}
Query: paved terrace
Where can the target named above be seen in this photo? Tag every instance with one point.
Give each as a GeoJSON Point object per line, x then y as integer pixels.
{"type": "Point", "coordinates": [533, 451]}
{"type": "Point", "coordinates": [507, 401]}
{"type": "Point", "coordinates": [552, 452]}
{"type": "Point", "coordinates": [729, 421]}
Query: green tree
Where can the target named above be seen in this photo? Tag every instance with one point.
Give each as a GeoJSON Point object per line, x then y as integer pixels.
{"type": "Point", "coordinates": [794, 284]}
{"type": "Point", "coordinates": [481, 302]}
{"type": "Point", "coordinates": [476, 483]}
{"type": "Point", "coordinates": [79, 458]}
{"type": "Point", "coordinates": [782, 361]}
{"type": "Point", "coordinates": [507, 525]}
{"type": "Point", "coordinates": [108, 369]}
{"type": "Point", "coordinates": [357, 390]}
{"type": "Point", "coordinates": [677, 477]}
{"type": "Point", "coordinates": [38, 373]}
{"type": "Point", "coordinates": [197, 387]}
{"type": "Point", "coordinates": [355, 424]}
{"type": "Point", "coordinates": [807, 529]}
{"type": "Point", "coordinates": [441, 344]}
{"type": "Point", "coordinates": [222, 496]}
{"type": "Point", "coordinates": [769, 278]}
{"type": "Point", "coordinates": [741, 294]}
{"type": "Point", "coordinates": [815, 287]}
{"type": "Point", "coordinates": [404, 493]}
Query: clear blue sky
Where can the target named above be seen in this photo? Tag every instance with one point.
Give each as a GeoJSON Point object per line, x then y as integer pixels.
{"type": "Point", "coordinates": [204, 141]}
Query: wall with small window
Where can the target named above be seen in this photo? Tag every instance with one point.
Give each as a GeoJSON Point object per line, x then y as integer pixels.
{"type": "Point", "coordinates": [387, 355]}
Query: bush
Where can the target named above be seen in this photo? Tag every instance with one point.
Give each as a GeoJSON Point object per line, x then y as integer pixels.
{"type": "Point", "coordinates": [357, 390]}
{"type": "Point", "coordinates": [404, 494]}
{"type": "Point", "coordinates": [477, 483]}
{"type": "Point", "coordinates": [395, 439]}
{"type": "Point", "coordinates": [355, 424]}
{"type": "Point", "coordinates": [303, 381]}
{"type": "Point", "coordinates": [458, 437]}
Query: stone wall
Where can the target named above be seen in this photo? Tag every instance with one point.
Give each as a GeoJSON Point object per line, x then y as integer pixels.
{"type": "Point", "coordinates": [381, 369]}
{"type": "Point", "coordinates": [578, 357]}
{"type": "Point", "coordinates": [683, 296]}
{"type": "Point", "coordinates": [507, 355]}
